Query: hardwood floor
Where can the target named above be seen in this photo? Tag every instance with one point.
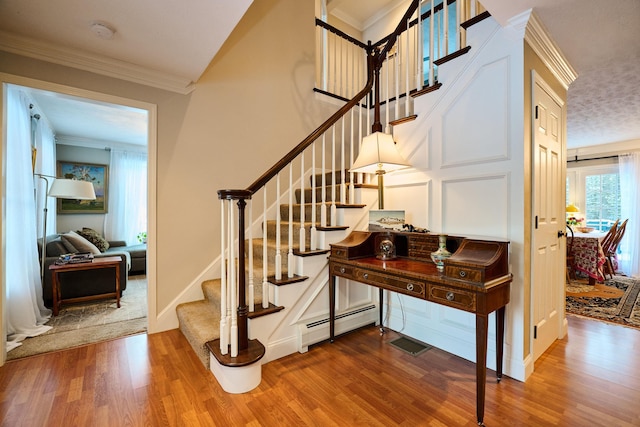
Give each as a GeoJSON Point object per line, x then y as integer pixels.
{"type": "Point", "coordinates": [592, 378]}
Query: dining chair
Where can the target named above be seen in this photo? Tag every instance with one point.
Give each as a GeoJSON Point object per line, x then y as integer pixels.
{"type": "Point", "coordinates": [612, 248]}
{"type": "Point", "coordinates": [606, 240]}
{"type": "Point", "coordinates": [571, 271]}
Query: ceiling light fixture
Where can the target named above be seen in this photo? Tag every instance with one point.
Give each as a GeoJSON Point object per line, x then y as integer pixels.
{"type": "Point", "coordinates": [102, 30]}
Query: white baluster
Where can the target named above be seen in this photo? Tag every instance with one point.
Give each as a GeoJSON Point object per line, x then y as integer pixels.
{"type": "Point", "coordinates": [406, 73]}
{"type": "Point", "coordinates": [224, 326]}
{"type": "Point", "coordinates": [352, 191]}
{"type": "Point", "coordinates": [278, 261]}
{"type": "Point", "coordinates": [445, 19]}
{"type": "Point", "coordinates": [343, 184]}
{"type": "Point", "coordinates": [290, 259]}
{"type": "Point", "coordinates": [265, 279]}
{"type": "Point", "coordinates": [314, 231]}
{"type": "Point", "coordinates": [397, 78]}
{"type": "Point", "coordinates": [431, 69]}
{"type": "Point", "coordinates": [323, 210]}
{"type": "Point", "coordinates": [333, 176]}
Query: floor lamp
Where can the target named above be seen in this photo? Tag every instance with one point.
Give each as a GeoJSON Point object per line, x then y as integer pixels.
{"type": "Point", "coordinates": [61, 188]}
{"type": "Point", "coordinates": [379, 155]}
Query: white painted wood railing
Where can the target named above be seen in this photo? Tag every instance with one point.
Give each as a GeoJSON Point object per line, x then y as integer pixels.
{"type": "Point", "coordinates": [322, 160]}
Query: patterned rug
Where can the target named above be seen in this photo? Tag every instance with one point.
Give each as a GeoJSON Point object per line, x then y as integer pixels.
{"type": "Point", "coordinates": [90, 322]}
{"type": "Point", "coordinates": [615, 301]}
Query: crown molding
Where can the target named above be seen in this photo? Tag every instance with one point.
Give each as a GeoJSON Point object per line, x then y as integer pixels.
{"type": "Point", "coordinates": [538, 38]}
{"type": "Point", "coordinates": [122, 70]}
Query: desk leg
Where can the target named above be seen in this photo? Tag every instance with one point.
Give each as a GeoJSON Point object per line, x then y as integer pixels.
{"type": "Point", "coordinates": [55, 290]}
{"type": "Point", "coordinates": [381, 302]}
{"type": "Point", "coordinates": [118, 285]}
{"type": "Point", "coordinates": [499, 340]}
{"type": "Point", "coordinates": [481, 364]}
{"type": "Point", "coordinates": [332, 307]}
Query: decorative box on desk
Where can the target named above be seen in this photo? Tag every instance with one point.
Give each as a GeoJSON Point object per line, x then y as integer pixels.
{"type": "Point", "coordinates": [478, 261]}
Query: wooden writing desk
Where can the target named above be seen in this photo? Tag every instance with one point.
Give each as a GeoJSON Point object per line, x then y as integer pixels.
{"type": "Point", "coordinates": [475, 279]}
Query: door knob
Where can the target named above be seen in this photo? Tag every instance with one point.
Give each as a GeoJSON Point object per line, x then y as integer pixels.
{"type": "Point", "coordinates": [561, 234]}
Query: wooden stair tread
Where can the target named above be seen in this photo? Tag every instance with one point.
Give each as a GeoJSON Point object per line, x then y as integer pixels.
{"type": "Point", "coordinates": [254, 352]}
{"type": "Point", "coordinates": [286, 280]}
{"type": "Point", "coordinates": [260, 311]}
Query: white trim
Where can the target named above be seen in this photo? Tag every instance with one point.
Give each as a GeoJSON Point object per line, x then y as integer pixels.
{"type": "Point", "coordinates": [94, 63]}
{"type": "Point", "coordinates": [151, 182]}
{"type": "Point", "coordinates": [538, 38]}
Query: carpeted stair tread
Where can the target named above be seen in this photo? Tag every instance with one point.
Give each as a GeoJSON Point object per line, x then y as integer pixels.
{"type": "Point", "coordinates": [199, 322]}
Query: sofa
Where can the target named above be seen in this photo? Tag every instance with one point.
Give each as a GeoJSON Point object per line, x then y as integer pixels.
{"type": "Point", "coordinates": [78, 284]}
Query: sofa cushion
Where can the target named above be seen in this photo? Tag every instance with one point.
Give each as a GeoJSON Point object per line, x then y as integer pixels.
{"type": "Point", "coordinates": [76, 243]}
{"type": "Point", "coordinates": [94, 237]}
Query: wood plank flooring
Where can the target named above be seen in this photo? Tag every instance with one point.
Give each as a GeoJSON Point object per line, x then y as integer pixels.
{"type": "Point", "coordinates": [592, 378]}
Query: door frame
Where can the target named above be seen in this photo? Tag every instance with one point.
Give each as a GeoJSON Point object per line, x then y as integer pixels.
{"type": "Point", "coordinates": [536, 79]}
{"type": "Point", "coordinates": [152, 141]}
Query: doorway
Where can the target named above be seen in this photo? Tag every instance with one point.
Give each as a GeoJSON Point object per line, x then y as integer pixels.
{"type": "Point", "coordinates": [150, 142]}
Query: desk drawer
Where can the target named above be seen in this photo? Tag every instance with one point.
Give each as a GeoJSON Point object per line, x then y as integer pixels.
{"type": "Point", "coordinates": [452, 297]}
{"type": "Point", "coordinates": [464, 273]}
{"type": "Point", "coordinates": [396, 284]}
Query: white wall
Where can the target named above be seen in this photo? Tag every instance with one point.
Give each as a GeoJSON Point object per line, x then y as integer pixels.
{"type": "Point", "coordinates": [467, 152]}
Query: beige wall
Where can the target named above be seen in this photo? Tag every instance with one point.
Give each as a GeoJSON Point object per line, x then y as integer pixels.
{"type": "Point", "coordinates": [253, 104]}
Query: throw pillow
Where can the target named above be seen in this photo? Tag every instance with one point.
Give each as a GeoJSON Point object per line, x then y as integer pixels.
{"type": "Point", "coordinates": [79, 243]}
{"type": "Point", "coordinates": [94, 237]}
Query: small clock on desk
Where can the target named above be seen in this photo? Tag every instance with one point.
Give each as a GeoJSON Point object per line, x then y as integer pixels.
{"type": "Point", "coordinates": [385, 247]}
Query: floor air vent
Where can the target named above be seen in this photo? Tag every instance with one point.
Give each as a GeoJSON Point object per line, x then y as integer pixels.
{"type": "Point", "coordinates": [410, 346]}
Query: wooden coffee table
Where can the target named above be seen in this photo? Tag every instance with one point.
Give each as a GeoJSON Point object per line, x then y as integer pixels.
{"type": "Point", "coordinates": [95, 264]}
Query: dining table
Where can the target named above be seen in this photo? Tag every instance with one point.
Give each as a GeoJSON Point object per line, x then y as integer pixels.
{"type": "Point", "coordinates": [589, 257]}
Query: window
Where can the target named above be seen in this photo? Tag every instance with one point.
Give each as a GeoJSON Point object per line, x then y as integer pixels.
{"type": "Point", "coordinates": [596, 192]}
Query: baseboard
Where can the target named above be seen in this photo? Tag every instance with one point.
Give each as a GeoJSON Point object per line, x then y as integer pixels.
{"type": "Point", "coordinates": [317, 330]}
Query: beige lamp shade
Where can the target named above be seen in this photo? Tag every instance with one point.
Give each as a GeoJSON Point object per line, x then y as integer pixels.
{"type": "Point", "coordinates": [72, 189]}
{"type": "Point", "coordinates": [572, 208]}
{"type": "Point", "coordinates": [378, 153]}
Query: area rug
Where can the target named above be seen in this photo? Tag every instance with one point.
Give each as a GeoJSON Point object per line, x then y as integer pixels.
{"type": "Point", "coordinates": [91, 322]}
{"type": "Point", "coordinates": [616, 300]}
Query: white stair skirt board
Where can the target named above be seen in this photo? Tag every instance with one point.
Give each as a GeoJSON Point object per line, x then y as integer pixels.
{"type": "Point", "coordinates": [236, 380]}
{"type": "Point", "coordinates": [313, 332]}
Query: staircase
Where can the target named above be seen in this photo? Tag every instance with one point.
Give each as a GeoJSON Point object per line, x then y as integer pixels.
{"type": "Point", "coordinates": [285, 269]}
{"type": "Point", "coordinates": [199, 321]}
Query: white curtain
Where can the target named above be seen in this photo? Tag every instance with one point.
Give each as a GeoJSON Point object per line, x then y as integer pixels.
{"type": "Point", "coordinates": [25, 309]}
{"type": "Point", "coordinates": [629, 259]}
{"type": "Point", "coordinates": [45, 144]}
{"type": "Point", "coordinates": [127, 216]}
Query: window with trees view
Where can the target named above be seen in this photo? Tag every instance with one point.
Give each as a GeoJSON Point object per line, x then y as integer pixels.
{"type": "Point", "coordinates": [596, 191]}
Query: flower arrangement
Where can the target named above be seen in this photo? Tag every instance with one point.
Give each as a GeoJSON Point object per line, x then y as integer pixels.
{"type": "Point", "coordinates": [573, 221]}
{"type": "Point", "coordinates": [142, 237]}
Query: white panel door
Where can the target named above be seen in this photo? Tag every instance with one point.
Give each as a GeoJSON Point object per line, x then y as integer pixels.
{"type": "Point", "coordinates": [548, 214]}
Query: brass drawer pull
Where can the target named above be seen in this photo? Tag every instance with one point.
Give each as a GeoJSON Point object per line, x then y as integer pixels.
{"type": "Point", "coordinates": [450, 296]}
{"type": "Point", "coordinates": [410, 286]}
{"type": "Point", "coordinates": [342, 270]}
{"type": "Point", "coordinates": [365, 275]}
{"type": "Point", "coordinates": [463, 273]}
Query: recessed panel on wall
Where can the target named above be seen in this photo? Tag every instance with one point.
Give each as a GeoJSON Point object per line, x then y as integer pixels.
{"type": "Point", "coordinates": [476, 205]}
{"type": "Point", "coordinates": [475, 126]}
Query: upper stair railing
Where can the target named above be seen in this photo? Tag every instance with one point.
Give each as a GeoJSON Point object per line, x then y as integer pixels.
{"type": "Point", "coordinates": [246, 247]}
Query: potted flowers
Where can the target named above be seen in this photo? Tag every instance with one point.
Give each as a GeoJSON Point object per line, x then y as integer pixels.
{"type": "Point", "coordinates": [142, 237]}
{"type": "Point", "coordinates": [572, 221]}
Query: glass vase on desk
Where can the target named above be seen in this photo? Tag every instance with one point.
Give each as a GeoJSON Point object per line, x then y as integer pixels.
{"type": "Point", "coordinates": [441, 254]}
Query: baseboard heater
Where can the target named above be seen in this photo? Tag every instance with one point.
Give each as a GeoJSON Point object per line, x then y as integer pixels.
{"type": "Point", "coordinates": [315, 331]}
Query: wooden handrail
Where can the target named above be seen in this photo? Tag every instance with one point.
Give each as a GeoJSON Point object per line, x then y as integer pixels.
{"type": "Point", "coordinates": [375, 59]}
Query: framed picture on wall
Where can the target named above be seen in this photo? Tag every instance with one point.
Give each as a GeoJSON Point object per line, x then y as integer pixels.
{"type": "Point", "coordinates": [97, 175]}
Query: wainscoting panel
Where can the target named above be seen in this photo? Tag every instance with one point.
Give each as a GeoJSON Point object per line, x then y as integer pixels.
{"type": "Point", "coordinates": [482, 105]}
{"type": "Point", "coordinates": [477, 203]}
